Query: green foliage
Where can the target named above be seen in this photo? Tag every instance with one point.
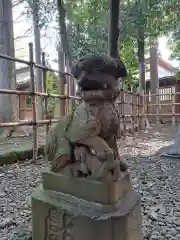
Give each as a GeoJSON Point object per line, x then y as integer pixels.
{"type": "Point", "coordinates": [51, 82]}
{"type": "Point", "coordinates": [153, 18]}
{"type": "Point", "coordinates": [145, 20]}
{"type": "Point", "coordinates": [174, 45]}
{"type": "Point", "coordinates": [128, 53]}
{"type": "Point", "coordinates": [174, 37]}
{"type": "Point", "coordinates": [88, 33]}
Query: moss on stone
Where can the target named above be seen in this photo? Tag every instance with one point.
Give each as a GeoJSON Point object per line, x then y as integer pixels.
{"type": "Point", "coordinates": [20, 154]}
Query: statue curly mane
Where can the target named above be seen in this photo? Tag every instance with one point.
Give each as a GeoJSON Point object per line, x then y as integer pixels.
{"type": "Point", "coordinates": [98, 72]}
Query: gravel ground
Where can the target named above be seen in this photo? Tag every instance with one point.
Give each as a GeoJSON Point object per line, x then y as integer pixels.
{"type": "Point", "coordinates": [158, 181]}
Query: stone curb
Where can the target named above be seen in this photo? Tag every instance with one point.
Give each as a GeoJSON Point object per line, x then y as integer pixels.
{"type": "Point", "coordinates": [22, 155]}
{"type": "Point", "coordinates": [19, 155]}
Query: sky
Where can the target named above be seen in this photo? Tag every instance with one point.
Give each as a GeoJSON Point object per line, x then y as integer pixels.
{"type": "Point", "coordinates": [21, 25]}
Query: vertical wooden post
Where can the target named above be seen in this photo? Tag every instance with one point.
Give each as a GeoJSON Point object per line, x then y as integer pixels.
{"type": "Point", "coordinates": [148, 109]}
{"type": "Point", "coordinates": [177, 100]}
{"type": "Point", "coordinates": [68, 88]}
{"type": "Point", "coordinates": [35, 140]}
{"type": "Point", "coordinates": [19, 106]}
{"type": "Point", "coordinates": [173, 109]}
{"type": "Point", "coordinates": [144, 110]}
{"type": "Point", "coordinates": [44, 78]}
{"type": "Point", "coordinates": [62, 80]}
{"type": "Point", "coordinates": [138, 112]}
{"type": "Point", "coordinates": [141, 111]}
{"type": "Point", "coordinates": [22, 106]}
{"type": "Point", "coordinates": [157, 106]}
{"type": "Point", "coordinates": [123, 113]}
{"type": "Point", "coordinates": [119, 114]}
{"type": "Point", "coordinates": [132, 113]}
{"type": "Point", "coordinates": [60, 104]}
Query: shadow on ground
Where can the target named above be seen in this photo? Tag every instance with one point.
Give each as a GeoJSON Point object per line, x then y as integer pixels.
{"type": "Point", "coordinates": [149, 144]}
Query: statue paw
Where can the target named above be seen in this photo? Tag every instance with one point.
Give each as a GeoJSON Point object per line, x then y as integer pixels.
{"type": "Point", "coordinates": [123, 166]}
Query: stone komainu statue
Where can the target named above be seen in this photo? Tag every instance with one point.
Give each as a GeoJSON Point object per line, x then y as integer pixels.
{"type": "Point", "coordinates": [83, 144]}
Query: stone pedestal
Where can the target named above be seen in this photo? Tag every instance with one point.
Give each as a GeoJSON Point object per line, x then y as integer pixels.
{"type": "Point", "coordinates": [65, 208]}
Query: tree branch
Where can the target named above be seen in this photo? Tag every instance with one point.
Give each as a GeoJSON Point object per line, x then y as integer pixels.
{"type": "Point", "coordinates": [17, 3]}
{"type": "Point", "coordinates": [24, 35]}
{"type": "Point", "coordinates": [22, 14]}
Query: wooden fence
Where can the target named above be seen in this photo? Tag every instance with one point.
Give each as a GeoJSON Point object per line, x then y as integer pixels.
{"type": "Point", "coordinates": [163, 107]}
{"type": "Point", "coordinates": [131, 108]}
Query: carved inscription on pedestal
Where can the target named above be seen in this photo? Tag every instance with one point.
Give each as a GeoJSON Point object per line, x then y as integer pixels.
{"type": "Point", "coordinates": [134, 224]}
{"type": "Point", "coordinates": [58, 225]}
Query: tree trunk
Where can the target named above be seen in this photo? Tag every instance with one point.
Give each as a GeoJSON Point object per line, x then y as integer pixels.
{"type": "Point", "coordinates": [8, 103]}
{"type": "Point", "coordinates": [141, 52]}
{"type": "Point", "coordinates": [65, 45]}
{"type": "Point", "coordinates": [154, 87]}
{"type": "Point", "coordinates": [113, 28]}
{"type": "Point", "coordinates": [37, 41]}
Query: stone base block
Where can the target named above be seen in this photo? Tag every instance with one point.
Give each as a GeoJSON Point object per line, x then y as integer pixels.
{"type": "Point", "coordinates": [59, 216]}
{"type": "Point", "coordinates": [100, 192]}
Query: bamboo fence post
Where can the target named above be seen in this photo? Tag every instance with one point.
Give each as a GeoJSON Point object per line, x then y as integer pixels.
{"type": "Point", "coordinates": [173, 109]}
{"type": "Point", "coordinates": [123, 114]}
{"type": "Point", "coordinates": [44, 76]}
{"type": "Point", "coordinates": [19, 106]}
{"type": "Point", "coordinates": [66, 93]}
{"type": "Point", "coordinates": [143, 111]}
{"type": "Point", "coordinates": [141, 102]}
{"type": "Point", "coordinates": [35, 140]}
{"type": "Point", "coordinates": [119, 115]}
{"type": "Point", "coordinates": [145, 100]}
{"type": "Point", "coordinates": [157, 106]}
{"type": "Point", "coordinates": [132, 114]}
{"type": "Point", "coordinates": [62, 91]}
{"type": "Point", "coordinates": [177, 99]}
{"type": "Point", "coordinates": [177, 112]}
{"type": "Point", "coordinates": [140, 111]}
{"type": "Point", "coordinates": [137, 112]}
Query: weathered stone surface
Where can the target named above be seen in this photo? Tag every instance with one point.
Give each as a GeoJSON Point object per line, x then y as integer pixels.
{"type": "Point", "coordinates": [64, 217]}
{"type": "Point", "coordinates": [84, 141]}
{"type": "Point", "coordinates": [102, 192]}
{"type": "Point", "coordinates": [21, 154]}
{"type": "Point", "coordinates": [87, 195]}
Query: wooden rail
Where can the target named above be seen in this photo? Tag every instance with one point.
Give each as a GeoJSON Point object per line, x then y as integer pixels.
{"type": "Point", "coordinates": [130, 105]}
